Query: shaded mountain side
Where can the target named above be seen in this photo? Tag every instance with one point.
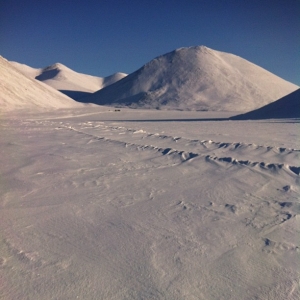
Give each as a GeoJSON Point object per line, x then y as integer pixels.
{"type": "Point", "coordinates": [286, 107]}
{"type": "Point", "coordinates": [76, 95]}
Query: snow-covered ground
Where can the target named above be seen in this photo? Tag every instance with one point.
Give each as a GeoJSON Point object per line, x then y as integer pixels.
{"type": "Point", "coordinates": [105, 204]}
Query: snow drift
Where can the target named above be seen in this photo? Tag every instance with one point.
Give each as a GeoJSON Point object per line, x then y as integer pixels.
{"type": "Point", "coordinates": [286, 107]}
{"type": "Point", "coordinates": [196, 78]}
{"type": "Point", "coordinates": [18, 91]}
{"type": "Point", "coordinates": [67, 81]}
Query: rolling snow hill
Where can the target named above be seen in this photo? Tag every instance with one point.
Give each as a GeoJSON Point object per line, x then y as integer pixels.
{"type": "Point", "coordinates": [196, 78]}
{"type": "Point", "coordinates": [67, 81]}
{"type": "Point", "coordinates": [286, 107]}
{"type": "Point", "coordinates": [18, 91]}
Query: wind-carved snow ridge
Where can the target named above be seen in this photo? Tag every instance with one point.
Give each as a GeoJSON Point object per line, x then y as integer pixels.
{"type": "Point", "coordinates": [191, 149]}
{"type": "Point", "coordinates": [263, 165]}
{"type": "Point", "coordinates": [183, 155]}
{"type": "Point", "coordinates": [209, 144]}
{"type": "Point", "coordinates": [296, 170]}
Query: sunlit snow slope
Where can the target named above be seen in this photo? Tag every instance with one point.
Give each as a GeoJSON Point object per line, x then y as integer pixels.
{"type": "Point", "coordinates": [286, 107]}
{"type": "Point", "coordinates": [196, 78]}
{"type": "Point", "coordinates": [18, 91]}
{"type": "Point", "coordinates": [67, 81]}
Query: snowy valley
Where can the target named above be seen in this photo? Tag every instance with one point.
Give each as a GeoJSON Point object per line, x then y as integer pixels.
{"type": "Point", "coordinates": [164, 201]}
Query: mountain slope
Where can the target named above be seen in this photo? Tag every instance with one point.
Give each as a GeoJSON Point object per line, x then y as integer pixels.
{"type": "Point", "coordinates": [67, 81]}
{"type": "Point", "coordinates": [286, 107]}
{"type": "Point", "coordinates": [17, 91]}
{"type": "Point", "coordinates": [196, 78]}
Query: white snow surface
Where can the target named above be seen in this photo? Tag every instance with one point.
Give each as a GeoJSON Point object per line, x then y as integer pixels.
{"type": "Point", "coordinates": [196, 78]}
{"type": "Point", "coordinates": [66, 80]}
{"type": "Point", "coordinates": [18, 91]}
{"type": "Point", "coordinates": [144, 204]}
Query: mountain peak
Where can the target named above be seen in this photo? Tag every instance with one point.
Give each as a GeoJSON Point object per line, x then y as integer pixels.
{"type": "Point", "coordinates": [56, 66]}
{"type": "Point", "coordinates": [196, 78]}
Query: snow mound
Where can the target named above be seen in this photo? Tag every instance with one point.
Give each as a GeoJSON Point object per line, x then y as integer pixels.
{"type": "Point", "coordinates": [67, 81]}
{"type": "Point", "coordinates": [286, 107]}
{"type": "Point", "coordinates": [196, 78]}
{"type": "Point", "coordinates": [18, 91]}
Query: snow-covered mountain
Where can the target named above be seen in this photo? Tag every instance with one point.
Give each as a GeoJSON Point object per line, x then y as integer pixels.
{"type": "Point", "coordinates": [196, 78]}
{"type": "Point", "coordinates": [18, 91]}
{"type": "Point", "coordinates": [286, 107]}
{"type": "Point", "coordinates": [67, 81]}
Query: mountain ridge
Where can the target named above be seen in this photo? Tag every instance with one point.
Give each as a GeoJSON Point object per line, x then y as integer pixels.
{"type": "Point", "coordinates": [68, 81]}
{"type": "Point", "coordinates": [18, 91]}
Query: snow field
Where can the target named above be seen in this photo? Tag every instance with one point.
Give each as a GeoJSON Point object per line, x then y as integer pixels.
{"type": "Point", "coordinates": [124, 205]}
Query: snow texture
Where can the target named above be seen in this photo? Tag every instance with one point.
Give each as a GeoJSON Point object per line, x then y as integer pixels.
{"type": "Point", "coordinates": [130, 204]}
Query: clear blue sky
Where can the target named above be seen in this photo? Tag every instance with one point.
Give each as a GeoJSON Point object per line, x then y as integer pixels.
{"type": "Point", "coordinates": [104, 37]}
